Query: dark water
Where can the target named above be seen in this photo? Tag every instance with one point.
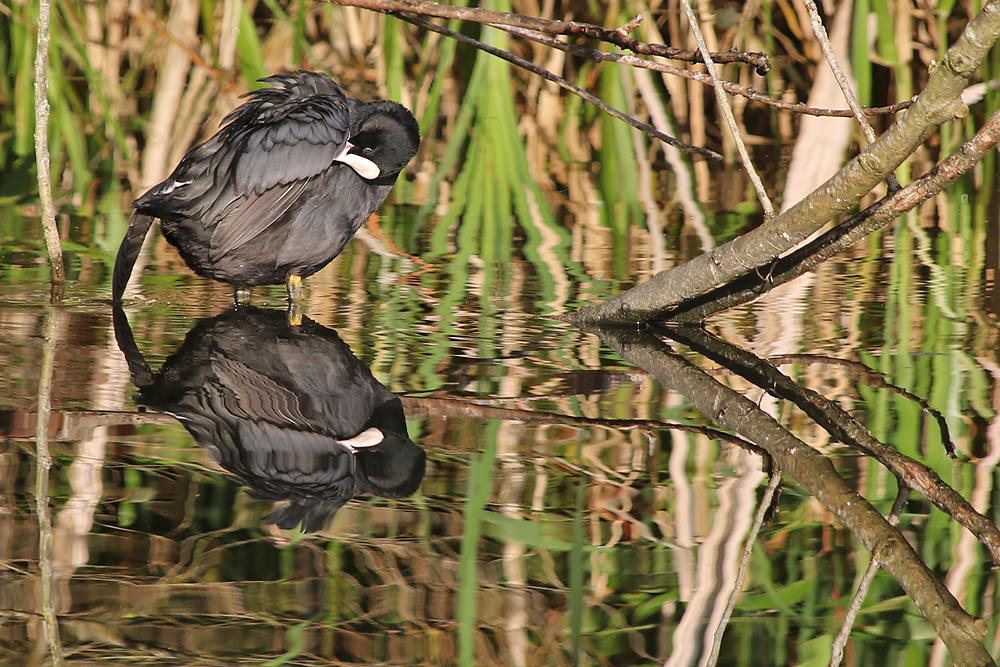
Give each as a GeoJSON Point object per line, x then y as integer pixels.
{"type": "Point", "coordinates": [559, 519]}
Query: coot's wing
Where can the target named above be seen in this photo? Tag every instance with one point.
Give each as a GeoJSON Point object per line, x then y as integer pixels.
{"type": "Point", "coordinates": [293, 140]}
{"type": "Point", "coordinates": [287, 145]}
{"type": "Point", "coordinates": [252, 395]}
{"type": "Point", "coordinates": [246, 217]}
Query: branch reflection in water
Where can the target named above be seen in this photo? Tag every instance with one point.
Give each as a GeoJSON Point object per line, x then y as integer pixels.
{"type": "Point", "coordinates": [812, 470]}
{"type": "Point", "coordinates": [288, 411]}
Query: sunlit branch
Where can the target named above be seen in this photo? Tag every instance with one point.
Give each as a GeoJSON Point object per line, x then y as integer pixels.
{"type": "Point", "coordinates": [843, 236]}
{"type": "Point", "coordinates": [938, 102]}
{"type": "Point", "coordinates": [42, 160]}
{"type": "Point", "coordinates": [699, 77]}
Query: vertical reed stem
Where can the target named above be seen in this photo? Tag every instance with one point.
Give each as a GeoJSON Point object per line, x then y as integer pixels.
{"type": "Point", "coordinates": [42, 149]}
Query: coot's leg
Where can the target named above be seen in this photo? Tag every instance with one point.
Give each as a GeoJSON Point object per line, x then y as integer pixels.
{"type": "Point", "coordinates": [294, 286]}
{"type": "Point", "coordinates": [241, 297]}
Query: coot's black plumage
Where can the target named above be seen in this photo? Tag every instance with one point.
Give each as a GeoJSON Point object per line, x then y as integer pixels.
{"type": "Point", "coordinates": [276, 194]}
{"type": "Point", "coordinates": [287, 410]}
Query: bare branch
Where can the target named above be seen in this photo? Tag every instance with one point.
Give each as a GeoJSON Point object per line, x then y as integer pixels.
{"type": "Point", "coordinates": [617, 36]}
{"type": "Point", "coordinates": [700, 77]}
{"type": "Point", "coordinates": [541, 71]}
{"type": "Point", "coordinates": [751, 285]}
{"type": "Point", "coordinates": [939, 101]}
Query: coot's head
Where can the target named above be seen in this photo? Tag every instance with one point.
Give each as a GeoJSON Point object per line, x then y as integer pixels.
{"type": "Point", "coordinates": [384, 138]}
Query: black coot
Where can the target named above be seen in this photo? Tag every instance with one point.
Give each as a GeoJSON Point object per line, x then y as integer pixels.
{"type": "Point", "coordinates": [278, 192]}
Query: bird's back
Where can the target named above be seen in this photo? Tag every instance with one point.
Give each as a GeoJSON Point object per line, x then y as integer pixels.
{"type": "Point", "coordinates": [278, 136]}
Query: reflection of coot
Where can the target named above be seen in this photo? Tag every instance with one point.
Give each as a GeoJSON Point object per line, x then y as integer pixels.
{"type": "Point", "coordinates": [288, 410]}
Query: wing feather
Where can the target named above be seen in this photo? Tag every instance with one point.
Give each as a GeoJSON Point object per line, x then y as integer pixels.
{"type": "Point", "coordinates": [248, 217]}
{"type": "Point", "coordinates": [296, 139]}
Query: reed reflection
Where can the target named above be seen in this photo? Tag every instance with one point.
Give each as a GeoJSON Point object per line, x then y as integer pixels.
{"type": "Point", "coordinates": [288, 410]}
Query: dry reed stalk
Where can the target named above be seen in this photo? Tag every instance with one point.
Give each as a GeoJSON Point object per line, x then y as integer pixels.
{"type": "Point", "coordinates": [42, 160]}
{"type": "Point", "coordinates": [171, 82]}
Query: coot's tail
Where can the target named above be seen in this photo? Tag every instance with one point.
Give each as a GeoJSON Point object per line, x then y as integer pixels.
{"type": "Point", "coordinates": [128, 253]}
{"type": "Point", "coordinates": [142, 376]}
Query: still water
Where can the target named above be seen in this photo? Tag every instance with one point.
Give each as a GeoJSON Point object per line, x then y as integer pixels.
{"type": "Point", "coordinates": [560, 517]}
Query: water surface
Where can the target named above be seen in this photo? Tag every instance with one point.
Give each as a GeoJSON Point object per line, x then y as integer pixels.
{"type": "Point", "coordinates": [559, 521]}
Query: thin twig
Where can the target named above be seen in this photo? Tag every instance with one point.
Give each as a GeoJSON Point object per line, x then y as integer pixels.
{"type": "Point", "coordinates": [699, 77]}
{"type": "Point", "coordinates": [741, 573]}
{"type": "Point", "coordinates": [75, 421]}
{"type": "Point", "coordinates": [866, 581]}
{"type": "Point", "coordinates": [838, 73]}
{"type": "Point", "coordinates": [42, 160]}
{"type": "Point", "coordinates": [875, 380]}
{"type": "Point", "coordinates": [617, 36]}
{"type": "Point", "coordinates": [727, 112]}
{"type": "Point", "coordinates": [541, 71]}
